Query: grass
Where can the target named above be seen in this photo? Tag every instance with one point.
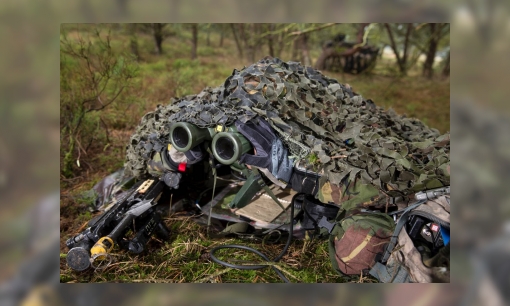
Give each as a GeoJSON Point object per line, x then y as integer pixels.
{"type": "Point", "coordinates": [184, 257]}
{"type": "Point", "coordinates": [427, 100]}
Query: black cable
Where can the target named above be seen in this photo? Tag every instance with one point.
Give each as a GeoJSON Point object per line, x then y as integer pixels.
{"type": "Point", "coordinates": [246, 248]}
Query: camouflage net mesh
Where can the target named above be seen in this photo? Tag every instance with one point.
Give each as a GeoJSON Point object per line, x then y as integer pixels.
{"type": "Point", "coordinates": [297, 149]}
{"type": "Point", "coordinates": [355, 143]}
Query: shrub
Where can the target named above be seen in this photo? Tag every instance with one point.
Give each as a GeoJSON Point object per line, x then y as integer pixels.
{"type": "Point", "coordinates": [92, 77]}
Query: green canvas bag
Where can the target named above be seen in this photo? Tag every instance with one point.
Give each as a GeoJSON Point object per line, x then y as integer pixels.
{"type": "Point", "coordinates": [357, 240]}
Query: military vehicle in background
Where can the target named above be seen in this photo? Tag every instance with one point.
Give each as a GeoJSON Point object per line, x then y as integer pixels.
{"type": "Point", "coordinates": [339, 55]}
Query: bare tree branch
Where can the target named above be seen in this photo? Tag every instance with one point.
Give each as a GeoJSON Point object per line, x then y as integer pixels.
{"type": "Point", "coordinates": [324, 26]}
{"type": "Point", "coordinates": [394, 47]}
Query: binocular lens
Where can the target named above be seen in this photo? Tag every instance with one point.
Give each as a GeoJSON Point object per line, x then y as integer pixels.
{"type": "Point", "coordinates": [225, 148]}
{"type": "Point", "coordinates": [180, 137]}
{"type": "Point", "coordinates": [185, 136]}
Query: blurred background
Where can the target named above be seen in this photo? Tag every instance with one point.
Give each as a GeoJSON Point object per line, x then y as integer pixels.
{"type": "Point", "coordinates": [30, 143]}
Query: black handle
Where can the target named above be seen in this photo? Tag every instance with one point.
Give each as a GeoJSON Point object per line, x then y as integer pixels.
{"type": "Point", "coordinates": [137, 244]}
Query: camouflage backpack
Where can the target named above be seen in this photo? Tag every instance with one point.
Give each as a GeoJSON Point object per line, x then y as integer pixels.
{"type": "Point", "coordinates": [407, 260]}
{"type": "Point", "coordinates": [356, 241]}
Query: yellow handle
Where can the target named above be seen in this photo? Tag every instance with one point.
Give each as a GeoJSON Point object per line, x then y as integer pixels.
{"type": "Point", "coordinates": [102, 246]}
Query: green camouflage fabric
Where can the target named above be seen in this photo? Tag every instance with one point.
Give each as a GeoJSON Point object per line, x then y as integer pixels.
{"type": "Point", "coordinates": [406, 257]}
{"type": "Point", "coordinates": [365, 152]}
{"type": "Point", "coordinates": [440, 208]}
{"type": "Point", "coordinates": [356, 241]}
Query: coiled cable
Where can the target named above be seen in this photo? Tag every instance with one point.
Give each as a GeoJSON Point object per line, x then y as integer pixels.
{"type": "Point", "coordinates": [262, 255]}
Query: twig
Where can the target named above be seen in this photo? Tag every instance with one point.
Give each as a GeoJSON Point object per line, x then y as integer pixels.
{"type": "Point", "coordinates": [106, 128]}
{"type": "Point", "coordinates": [279, 31]}
{"type": "Point", "coordinates": [338, 156]}
{"type": "Point", "coordinates": [327, 25]}
{"type": "Point", "coordinates": [365, 36]}
{"type": "Point", "coordinates": [69, 180]}
{"type": "Point", "coordinates": [210, 277]}
{"type": "Point", "coordinates": [154, 280]}
{"type": "Point", "coordinates": [82, 227]}
{"type": "Point", "coordinates": [80, 147]}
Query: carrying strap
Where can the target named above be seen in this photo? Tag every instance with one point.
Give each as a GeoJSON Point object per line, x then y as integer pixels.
{"type": "Point", "coordinates": [261, 137]}
{"type": "Point", "coordinates": [271, 194]}
{"type": "Point", "coordinates": [270, 151]}
{"type": "Point", "coordinates": [398, 273]}
{"type": "Point", "coordinates": [212, 197]}
{"type": "Point", "coordinates": [309, 183]}
{"type": "Point", "coordinates": [268, 190]}
{"type": "Point", "coordinates": [400, 224]}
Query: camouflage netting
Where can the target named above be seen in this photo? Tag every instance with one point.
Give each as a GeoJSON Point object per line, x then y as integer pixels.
{"type": "Point", "coordinates": [362, 149]}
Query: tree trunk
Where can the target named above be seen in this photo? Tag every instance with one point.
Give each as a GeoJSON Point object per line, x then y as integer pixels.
{"type": "Point", "coordinates": [247, 39]}
{"type": "Point", "coordinates": [361, 33]}
{"type": "Point", "coordinates": [157, 30]}
{"type": "Point", "coordinates": [280, 44]}
{"type": "Point", "coordinates": [257, 42]}
{"type": "Point", "coordinates": [222, 35]}
{"type": "Point", "coordinates": [320, 64]}
{"type": "Point", "coordinates": [236, 38]}
{"type": "Point", "coordinates": [446, 67]}
{"type": "Point", "coordinates": [400, 62]}
{"type": "Point", "coordinates": [406, 45]}
{"type": "Point", "coordinates": [194, 41]}
{"type": "Point", "coordinates": [251, 41]}
{"type": "Point", "coordinates": [305, 54]}
{"type": "Point", "coordinates": [428, 71]}
{"type": "Point", "coordinates": [270, 40]}
{"type": "Point", "coordinates": [295, 48]}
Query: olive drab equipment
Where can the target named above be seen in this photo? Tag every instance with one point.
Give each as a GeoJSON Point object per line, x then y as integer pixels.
{"type": "Point", "coordinates": [270, 154]}
{"type": "Point", "coordinates": [229, 146]}
{"type": "Point", "coordinates": [308, 132]}
{"type": "Point", "coordinates": [356, 241]}
{"type": "Point", "coordinates": [404, 260]}
{"type": "Point", "coordinates": [357, 146]}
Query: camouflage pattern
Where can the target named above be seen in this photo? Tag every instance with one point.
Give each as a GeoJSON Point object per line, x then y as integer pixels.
{"type": "Point", "coordinates": [350, 195]}
{"type": "Point", "coordinates": [365, 152]}
{"type": "Point", "coordinates": [356, 241]}
{"type": "Point", "coordinates": [405, 254]}
{"type": "Point", "coordinates": [439, 207]}
{"type": "Point", "coordinates": [409, 256]}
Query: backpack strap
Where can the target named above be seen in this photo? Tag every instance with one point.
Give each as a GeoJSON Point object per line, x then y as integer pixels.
{"type": "Point", "coordinates": [400, 224]}
{"type": "Point", "coordinates": [269, 192]}
{"type": "Point", "coordinates": [382, 273]}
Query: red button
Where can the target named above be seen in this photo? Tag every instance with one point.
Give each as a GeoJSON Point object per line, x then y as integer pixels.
{"type": "Point", "coordinates": [182, 167]}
